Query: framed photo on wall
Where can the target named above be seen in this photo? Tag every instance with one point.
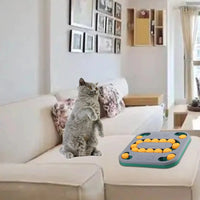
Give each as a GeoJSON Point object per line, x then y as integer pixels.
{"type": "Point", "coordinates": [101, 23]}
{"type": "Point", "coordinates": [117, 46]}
{"type": "Point", "coordinates": [118, 10]}
{"type": "Point", "coordinates": [105, 44]}
{"type": "Point", "coordinates": [118, 28]}
{"type": "Point", "coordinates": [89, 43]}
{"type": "Point", "coordinates": [105, 6]}
{"type": "Point", "coordinates": [76, 41]}
{"type": "Point", "coordinates": [109, 26]}
{"type": "Point", "coordinates": [82, 13]}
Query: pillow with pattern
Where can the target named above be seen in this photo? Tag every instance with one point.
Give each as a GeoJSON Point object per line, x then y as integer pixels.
{"type": "Point", "coordinates": [61, 112]}
{"type": "Point", "coordinates": [111, 100]}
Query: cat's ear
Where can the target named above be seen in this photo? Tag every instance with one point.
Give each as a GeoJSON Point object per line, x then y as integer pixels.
{"type": "Point", "coordinates": [96, 83]}
{"type": "Point", "coordinates": [81, 82]}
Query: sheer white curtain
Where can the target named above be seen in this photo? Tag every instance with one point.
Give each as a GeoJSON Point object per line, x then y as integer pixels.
{"type": "Point", "coordinates": [189, 20]}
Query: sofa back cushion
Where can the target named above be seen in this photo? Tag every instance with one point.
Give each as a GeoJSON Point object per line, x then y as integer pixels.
{"type": "Point", "coordinates": [27, 129]}
{"type": "Point", "coordinates": [120, 84]}
{"type": "Point", "coordinates": [66, 94]}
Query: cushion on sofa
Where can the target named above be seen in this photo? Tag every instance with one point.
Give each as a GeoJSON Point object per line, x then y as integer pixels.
{"type": "Point", "coordinates": [27, 129]}
{"type": "Point", "coordinates": [60, 114]}
{"type": "Point", "coordinates": [51, 181]}
{"type": "Point", "coordinates": [110, 100]}
{"type": "Point", "coordinates": [137, 182]}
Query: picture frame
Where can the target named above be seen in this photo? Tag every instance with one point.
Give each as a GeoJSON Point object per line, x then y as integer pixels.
{"type": "Point", "coordinates": [117, 45]}
{"type": "Point", "coordinates": [76, 41]}
{"type": "Point", "coordinates": [100, 23]}
{"type": "Point", "coordinates": [118, 10]}
{"type": "Point", "coordinates": [118, 28]}
{"type": "Point", "coordinates": [89, 43]}
{"type": "Point", "coordinates": [105, 44]}
{"type": "Point", "coordinates": [109, 26]}
{"type": "Point", "coordinates": [82, 13]}
{"type": "Point", "coordinates": [105, 6]}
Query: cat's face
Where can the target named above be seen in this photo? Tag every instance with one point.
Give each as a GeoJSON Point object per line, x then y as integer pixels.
{"type": "Point", "coordinates": [89, 89]}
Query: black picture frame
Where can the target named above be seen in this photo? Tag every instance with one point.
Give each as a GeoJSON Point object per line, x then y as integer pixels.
{"type": "Point", "coordinates": [105, 6]}
{"type": "Point", "coordinates": [105, 44]}
{"type": "Point", "coordinates": [117, 45]}
{"type": "Point", "coordinates": [100, 23]}
{"type": "Point", "coordinates": [81, 11]}
{"type": "Point", "coordinates": [110, 25]}
{"type": "Point", "coordinates": [118, 10]}
{"type": "Point", "coordinates": [76, 41]}
{"type": "Point", "coordinates": [118, 28]}
{"type": "Point", "coordinates": [89, 43]}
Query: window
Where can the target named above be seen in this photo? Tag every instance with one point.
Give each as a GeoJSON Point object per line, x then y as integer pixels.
{"type": "Point", "coordinates": [197, 60]}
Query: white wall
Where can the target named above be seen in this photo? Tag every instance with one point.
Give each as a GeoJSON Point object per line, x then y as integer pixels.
{"type": "Point", "coordinates": [66, 67]}
{"type": "Point", "coordinates": [146, 67]}
{"type": "Point", "coordinates": [21, 60]}
{"type": "Point", "coordinates": [34, 58]}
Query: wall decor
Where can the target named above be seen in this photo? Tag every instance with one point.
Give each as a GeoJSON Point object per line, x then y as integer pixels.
{"type": "Point", "coordinates": [118, 28]}
{"type": "Point", "coordinates": [109, 25]}
{"type": "Point", "coordinates": [105, 6]}
{"type": "Point", "coordinates": [105, 44]}
{"type": "Point", "coordinates": [117, 46]}
{"type": "Point", "coordinates": [76, 41]}
{"type": "Point", "coordinates": [82, 13]}
{"type": "Point", "coordinates": [101, 23]}
{"type": "Point", "coordinates": [89, 43]}
{"type": "Point", "coordinates": [118, 10]}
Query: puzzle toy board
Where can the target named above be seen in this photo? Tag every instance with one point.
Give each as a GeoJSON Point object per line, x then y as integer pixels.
{"type": "Point", "coordinates": [155, 149]}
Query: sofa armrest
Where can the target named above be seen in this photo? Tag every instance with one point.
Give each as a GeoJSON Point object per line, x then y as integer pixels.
{"type": "Point", "coordinates": [51, 181]}
{"type": "Point", "coordinates": [143, 100]}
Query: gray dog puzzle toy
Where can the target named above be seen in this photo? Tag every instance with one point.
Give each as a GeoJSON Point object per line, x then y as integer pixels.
{"type": "Point", "coordinates": [156, 149]}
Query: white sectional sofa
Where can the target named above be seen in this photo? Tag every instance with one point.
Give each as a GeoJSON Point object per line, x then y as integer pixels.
{"type": "Point", "coordinates": [31, 166]}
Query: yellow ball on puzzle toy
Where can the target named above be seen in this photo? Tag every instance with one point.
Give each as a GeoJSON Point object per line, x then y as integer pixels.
{"type": "Point", "coordinates": [134, 149]}
{"type": "Point", "coordinates": [139, 137]}
{"type": "Point", "coordinates": [147, 140]}
{"type": "Point", "coordinates": [133, 146]}
{"type": "Point", "coordinates": [149, 150]}
{"type": "Point", "coordinates": [155, 140]}
{"type": "Point", "coordinates": [142, 150]}
{"type": "Point", "coordinates": [163, 140]}
{"type": "Point", "coordinates": [182, 136]}
{"type": "Point", "coordinates": [158, 151]}
{"type": "Point", "coordinates": [171, 156]}
{"type": "Point", "coordinates": [171, 140]}
{"type": "Point", "coordinates": [125, 155]}
{"type": "Point", "coordinates": [175, 145]}
{"type": "Point", "coordinates": [167, 150]}
{"type": "Point", "coordinates": [139, 142]}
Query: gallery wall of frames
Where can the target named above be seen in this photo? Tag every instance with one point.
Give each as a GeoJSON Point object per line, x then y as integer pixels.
{"type": "Point", "coordinates": [99, 23]}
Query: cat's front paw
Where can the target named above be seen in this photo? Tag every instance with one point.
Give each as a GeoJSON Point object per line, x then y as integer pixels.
{"type": "Point", "coordinates": [97, 153]}
{"type": "Point", "coordinates": [101, 134]}
{"type": "Point", "coordinates": [69, 155]}
{"type": "Point", "coordinates": [93, 116]}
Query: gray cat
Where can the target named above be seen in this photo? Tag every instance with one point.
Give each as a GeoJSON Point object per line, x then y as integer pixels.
{"type": "Point", "coordinates": [79, 138]}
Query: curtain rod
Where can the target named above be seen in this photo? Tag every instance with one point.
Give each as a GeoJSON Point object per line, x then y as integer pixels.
{"type": "Point", "coordinates": [177, 8]}
{"type": "Point", "coordinates": [190, 4]}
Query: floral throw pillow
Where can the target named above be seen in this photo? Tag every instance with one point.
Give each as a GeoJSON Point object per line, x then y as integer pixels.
{"type": "Point", "coordinates": [60, 113]}
{"type": "Point", "coordinates": [110, 100]}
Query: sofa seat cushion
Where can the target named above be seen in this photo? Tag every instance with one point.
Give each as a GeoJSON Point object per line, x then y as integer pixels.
{"type": "Point", "coordinates": [51, 182]}
{"type": "Point", "coordinates": [166, 184]}
{"type": "Point", "coordinates": [134, 120]}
